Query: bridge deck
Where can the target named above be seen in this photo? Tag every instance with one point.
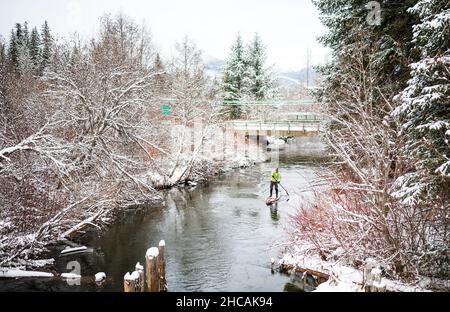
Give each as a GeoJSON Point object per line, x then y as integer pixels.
{"type": "Point", "coordinates": [289, 126]}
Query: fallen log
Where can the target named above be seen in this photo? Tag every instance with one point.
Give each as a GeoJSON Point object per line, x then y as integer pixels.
{"type": "Point", "coordinates": [322, 277]}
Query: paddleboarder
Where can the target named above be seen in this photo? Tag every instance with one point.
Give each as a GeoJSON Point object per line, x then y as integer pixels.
{"type": "Point", "coordinates": [274, 180]}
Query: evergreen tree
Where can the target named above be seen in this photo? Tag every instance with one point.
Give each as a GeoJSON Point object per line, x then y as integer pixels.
{"type": "Point", "coordinates": [2, 52]}
{"type": "Point", "coordinates": [259, 82]}
{"type": "Point", "coordinates": [388, 42]}
{"type": "Point", "coordinates": [35, 49]}
{"type": "Point", "coordinates": [12, 50]}
{"type": "Point", "coordinates": [47, 44]}
{"type": "Point", "coordinates": [24, 61]}
{"type": "Point", "coordinates": [26, 36]}
{"type": "Point", "coordinates": [161, 84]}
{"type": "Point", "coordinates": [234, 74]}
{"type": "Point", "coordinates": [425, 106]}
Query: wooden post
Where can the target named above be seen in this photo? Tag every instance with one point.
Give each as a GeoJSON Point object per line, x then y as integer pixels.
{"type": "Point", "coordinates": [247, 142]}
{"type": "Point", "coordinates": [162, 266]}
{"type": "Point", "coordinates": [151, 260]}
{"type": "Point", "coordinates": [140, 269]}
{"type": "Point", "coordinates": [131, 282]}
{"type": "Point", "coordinates": [235, 143]}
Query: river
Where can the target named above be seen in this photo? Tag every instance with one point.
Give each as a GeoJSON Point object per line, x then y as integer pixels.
{"type": "Point", "coordinates": [219, 236]}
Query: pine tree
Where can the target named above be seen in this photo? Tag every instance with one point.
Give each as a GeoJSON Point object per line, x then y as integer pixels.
{"type": "Point", "coordinates": [425, 106]}
{"type": "Point", "coordinates": [389, 42]}
{"type": "Point", "coordinates": [35, 49]}
{"type": "Point", "coordinates": [26, 36]}
{"type": "Point", "coordinates": [161, 78]}
{"type": "Point", "coordinates": [234, 75]}
{"type": "Point", "coordinates": [2, 53]}
{"type": "Point", "coordinates": [24, 61]}
{"type": "Point", "coordinates": [12, 50]}
{"type": "Point", "coordinates": [47, 45]}
{"type": "Point", "coordinates": [259, 80]}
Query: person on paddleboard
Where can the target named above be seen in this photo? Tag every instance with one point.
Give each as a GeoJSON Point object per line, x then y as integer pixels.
{"type": "Point", "coordinates": [274, 180]}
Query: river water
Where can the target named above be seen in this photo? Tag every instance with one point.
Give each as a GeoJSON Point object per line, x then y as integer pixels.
{"type": "Point", "coordinates": [219, 236]}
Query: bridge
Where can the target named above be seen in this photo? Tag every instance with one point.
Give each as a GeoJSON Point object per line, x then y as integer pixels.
{"type": "Point", "coordinates": [288, 124]}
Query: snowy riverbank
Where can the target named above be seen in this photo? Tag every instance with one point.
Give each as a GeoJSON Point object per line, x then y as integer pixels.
{"type": "Point", "coordinates": [345, 278]}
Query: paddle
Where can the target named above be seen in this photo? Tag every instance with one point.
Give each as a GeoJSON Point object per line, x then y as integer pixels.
{"type": "Point", "coordinates": [285, 191]}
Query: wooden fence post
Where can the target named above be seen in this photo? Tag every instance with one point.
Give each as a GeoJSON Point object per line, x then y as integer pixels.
{"type": "Point", "coordinates": [131, 282]}
{"type": "Point", "coordinates": [151, 260]}
{"type": "Point", "coordinates": [162, 266]}
{"type": "Point", "coordinates": [140, 269]}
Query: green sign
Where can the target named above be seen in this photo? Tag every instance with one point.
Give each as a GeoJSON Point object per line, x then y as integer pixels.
{"type": "Point", "coordinates": [166, 109]}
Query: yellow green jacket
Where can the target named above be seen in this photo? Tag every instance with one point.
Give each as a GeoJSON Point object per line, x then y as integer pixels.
{"type": "Point", "coordinates": [275, 177]}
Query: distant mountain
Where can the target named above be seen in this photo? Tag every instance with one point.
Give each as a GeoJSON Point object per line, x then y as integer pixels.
{"type": "Point", "coordinates": [214, 68]}
{"type": "Point", "coordinates": [294, 78]}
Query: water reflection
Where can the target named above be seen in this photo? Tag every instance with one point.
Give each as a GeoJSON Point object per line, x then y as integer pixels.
{"type": "Point", "coordinates": [274, 212]}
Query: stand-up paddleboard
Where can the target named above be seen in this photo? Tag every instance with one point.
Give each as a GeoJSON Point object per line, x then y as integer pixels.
{"type": "Point", "coordinates": [272, 200]}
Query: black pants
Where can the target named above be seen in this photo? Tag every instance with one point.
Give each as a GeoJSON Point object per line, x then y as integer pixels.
{"type": "Point", "coordinates": [272, 185]}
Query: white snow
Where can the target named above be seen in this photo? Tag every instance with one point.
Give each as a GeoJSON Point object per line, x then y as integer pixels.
{"type": "Point", "coordinates": [36, 263]}
{"type": "Point", "coordinates": [131, 277]}
{"type": "Point", "coordinates": [13, 273]}
{"type": "Point", "coordinates": [337, 286]}
{"type": "Point", "coordinates": [100, 276]}
{"type": "Point", "coordinates": [135, 275]}
{"type": "Point", "coordinates": [152, 252]}
{"type": "Point", "coordinates": [139, 267]}
{"type": "Point", "coordinates": [344, 278]}
{"type": "Point", "coordinates": [70, 276]}
{"type": "Point", "coordinates": [75, 249]}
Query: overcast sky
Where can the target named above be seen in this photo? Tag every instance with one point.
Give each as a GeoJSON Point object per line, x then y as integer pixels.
{"type": "Point", "coordinates": [287, 27]}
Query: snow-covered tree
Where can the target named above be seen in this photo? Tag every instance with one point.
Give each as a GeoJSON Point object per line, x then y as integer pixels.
{"type": "Point", "coordinates": [162, 79]}
{"type": "Point", "coordinates": [259, 80]}
{"type": "Point", "coordinates": [390, 186]}
{"type": "Point", "coordinates": [2, 51]}
{"type": "Point", "coordinates": [14, 40]}
{"type": "Point", "coordinates": [35, 49]}
{"type": "Point", "coordinates": [47, 45]}
{"type": "Point", "coordinates": [234, 75]}
{"type": "Point", "coordinates": [247, 77]}
{"type": "Point", "coordinates": [193, 110]}
{"type": "Point", "coordinates": [425, 107]}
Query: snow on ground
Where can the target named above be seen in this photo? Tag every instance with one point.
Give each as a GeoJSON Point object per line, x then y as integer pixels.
{"type": "Point", "coordinates": [35, 263]}
{"type": "Point", "coordinates": [13, 273]}
{"type": "Point", "coordinates": [70, 276]}
{"type": "Point", "coordinates": [345, 278]}
{"type": "Point", "coordinates": [74, 249]}
{"type": "Point", "coordinates": [338, 286]}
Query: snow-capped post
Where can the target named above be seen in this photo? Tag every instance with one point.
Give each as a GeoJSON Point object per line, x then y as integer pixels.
{"type": "Point", "coordinates": [151, 260]}
{"type": "Point", "coordinates": [162, 266]}
{"type": "Point", "coordinates": [140, 269]}
{"type": "Point", "coordinates": [131, 282]}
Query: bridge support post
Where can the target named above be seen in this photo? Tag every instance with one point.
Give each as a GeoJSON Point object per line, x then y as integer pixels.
{"type": "Point", "coordinates": [247, 143]}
